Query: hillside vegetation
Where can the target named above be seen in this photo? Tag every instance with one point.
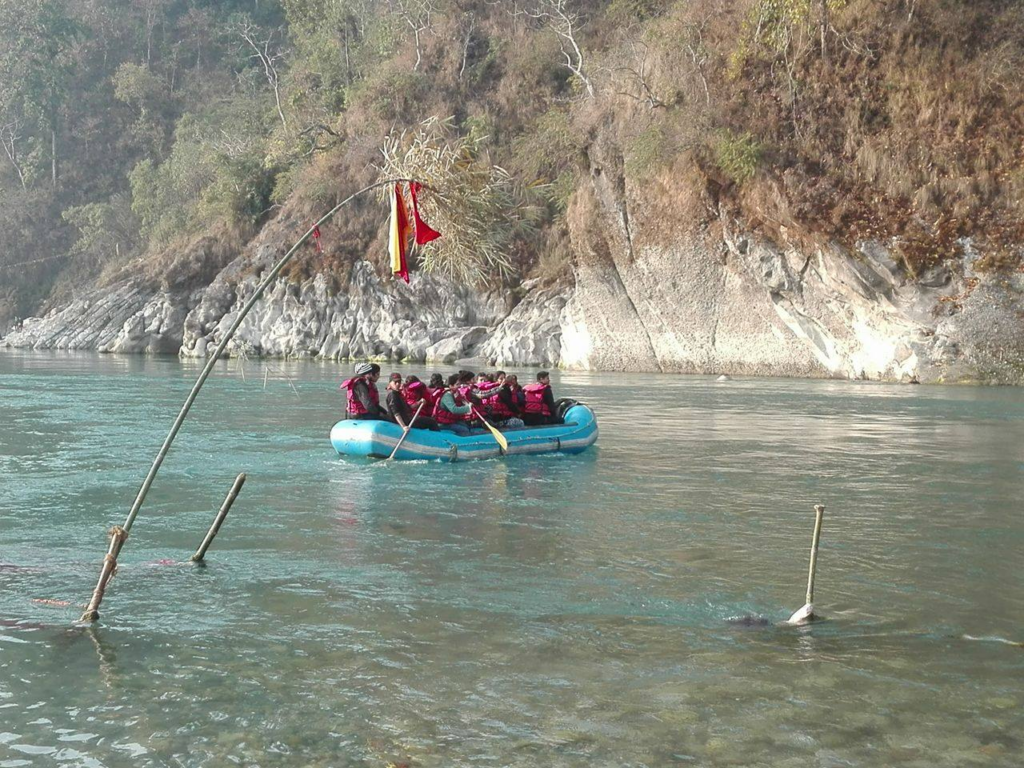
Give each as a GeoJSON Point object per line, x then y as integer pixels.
{"type": "Point", "coordinates": [157, 137]}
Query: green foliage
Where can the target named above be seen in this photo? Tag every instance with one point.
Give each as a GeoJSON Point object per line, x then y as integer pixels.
{"type": "Point", "coordinates": [549, 146]}
{"type": "Point", "coordinates": [105, 230]}
{"type": "Point", "coordinates": [393, 94]}
{"type": "Point", "coordinates": [646, 152]}
{"type": "Point", "coordinates": [149, 96]}
{"type": "Point", "coordinates": [775, 22]}
{"type": "Point", "coordinates": [738, 155]}
{"type": "Point", "coordinates": [216, 171]}
{"type": "Point", "coordinates": [627, 11]}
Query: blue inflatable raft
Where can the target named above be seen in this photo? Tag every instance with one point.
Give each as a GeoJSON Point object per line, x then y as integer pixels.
{"type": "Point", "coordinates": [376, 439]}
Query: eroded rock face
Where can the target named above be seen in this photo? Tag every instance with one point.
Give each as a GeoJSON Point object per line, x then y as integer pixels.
{"type": "Point", "coordinates": [365, 319]}
{"type": "Point", "coordinates": [129, 317]}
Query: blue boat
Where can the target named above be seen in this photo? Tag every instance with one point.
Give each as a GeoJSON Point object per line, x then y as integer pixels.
{"type": "Point", "coordinates": [376, 439]}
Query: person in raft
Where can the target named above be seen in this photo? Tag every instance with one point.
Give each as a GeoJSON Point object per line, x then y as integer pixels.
{"type": "Point", "coordinates": [540, 402]}
{"type": "Point", "coordinates": [362, 394]}
{"type": "Point", "coordinates": [416, 392]}
{"type": "Point", "coordinates": [504, 404]}
{"type": "Point", "coordinates": [452, 412]}
{"type": "Point", "coordinates": [436, 387]}
{"type": "Point", "coordinates": [399, 410]}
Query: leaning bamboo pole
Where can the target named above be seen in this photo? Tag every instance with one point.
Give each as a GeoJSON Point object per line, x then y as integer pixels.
{"type": "Point", "coordinates": [92, 612]}
{"type": "Point", "coordinates": [218, 521]}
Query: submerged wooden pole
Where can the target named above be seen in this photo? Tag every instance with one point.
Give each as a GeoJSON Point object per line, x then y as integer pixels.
{"type": "Point", "coordinates": [118, 535]}
{"type": "Point", "coordinates": [208, 368]}
{"type": "Point", "coordinates": [219, 519]}
{"type": "Point", "coordinates": [806, 613]}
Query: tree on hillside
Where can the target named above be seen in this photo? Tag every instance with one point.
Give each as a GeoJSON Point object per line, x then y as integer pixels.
{"type": "Point", "coordinates": [417, 15]}
{"type": "Point", "coordinates": [561, 17]}
{"type": "Point", "coordinates": [37, 40]}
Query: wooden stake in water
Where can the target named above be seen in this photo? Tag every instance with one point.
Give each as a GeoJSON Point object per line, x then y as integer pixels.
{"type": "Point", "coordinates": [211, 361]}
{"type": "Point", "coordinates": [806, 614]}
{"type": "Point", "coordinates": [219, 519]}
{"type": "Point", "coordinates": [117, 539]}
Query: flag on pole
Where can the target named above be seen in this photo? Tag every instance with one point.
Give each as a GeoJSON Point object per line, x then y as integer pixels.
{"type": "Point", "coordinates": [316, 240]}
{"type": "Point", "coordinates": [398, 242]}
{"type": "Point", "coordinates": [424, 232]}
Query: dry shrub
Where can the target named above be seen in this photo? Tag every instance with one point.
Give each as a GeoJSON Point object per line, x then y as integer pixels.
{"type": "Point", "coordinates": [477, 206]}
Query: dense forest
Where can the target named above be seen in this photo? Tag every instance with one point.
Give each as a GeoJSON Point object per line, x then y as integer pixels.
{"type": "Point", "coordinates": [156, 137]}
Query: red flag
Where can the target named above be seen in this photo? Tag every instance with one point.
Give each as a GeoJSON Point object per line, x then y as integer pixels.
{"type": "Point", "coordinates": [398, 241]}
{"type": "Point", "coordinates": [424, 232]}
{"type": "Point", "coordinates": [316, 240]}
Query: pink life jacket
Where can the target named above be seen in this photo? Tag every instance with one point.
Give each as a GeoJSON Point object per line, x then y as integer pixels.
{"type": "Point", "coordinates": [444, 416]}
{"type": "Point", "coordinates": [418, 391]}
{"type": "Point", "coordinates": [355, 408]}
{"type": "Point", "coordinates": [499, 408]}
{"type": "Point", "coordinates": [535, 398]}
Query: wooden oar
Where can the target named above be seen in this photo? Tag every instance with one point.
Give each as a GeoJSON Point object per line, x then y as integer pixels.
{"type": "Point", "coordinates": [498, 437]}
{"type": "Point", "coordinates": [405, 430]}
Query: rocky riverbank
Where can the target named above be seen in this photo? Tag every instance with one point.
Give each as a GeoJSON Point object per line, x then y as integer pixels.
{"type": "Point", "coordinates": [703, 295]}
{"type": "Point", "coordinates": [718, 301]}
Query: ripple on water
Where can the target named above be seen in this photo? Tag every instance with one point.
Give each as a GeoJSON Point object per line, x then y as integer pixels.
{"type": "Point", "coordinates": [557, 611]}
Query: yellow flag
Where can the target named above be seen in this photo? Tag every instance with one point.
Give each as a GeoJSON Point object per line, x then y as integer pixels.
{"type": "Point", "coordinates": [399, 236]}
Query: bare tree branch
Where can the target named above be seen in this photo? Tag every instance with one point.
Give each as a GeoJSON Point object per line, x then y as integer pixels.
{"type": "Point", "coordinates": [417, 16]}
{"type": "Point", "coordinates": [9, 135]}
{"type": "Point", "coordinates": [251, 35]}
{"type": "Point", "coordinates": [558, 16]}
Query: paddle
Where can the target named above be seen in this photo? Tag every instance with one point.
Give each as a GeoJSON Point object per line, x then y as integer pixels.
{"type": "Point", "coordinates": [405, 430]}
{"type": "Point", "coordinates": [498, 437]}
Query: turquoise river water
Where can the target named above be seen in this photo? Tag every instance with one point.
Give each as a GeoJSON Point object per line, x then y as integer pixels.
{"type": "Point", "coordinates": [535, 611]}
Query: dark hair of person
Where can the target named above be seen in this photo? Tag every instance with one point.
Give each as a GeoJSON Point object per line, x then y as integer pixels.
{"type": "Point", "coordinates": [454, 379]}
{"type": "Point", "coordinates": [436, 380]}
{"type": "Point", "coordinates": [412, 378]}
{"type": "Point", "coordinates": [466, 376]}
{"type": "Point", "coordinates": [542, 375]}
{"type": "Point", "coordinates": [374, 368]}
{"type": "Point", "coordinates": [499, 373]}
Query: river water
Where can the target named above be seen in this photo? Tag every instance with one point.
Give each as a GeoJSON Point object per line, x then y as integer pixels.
{"type": "Point", "coordinates": [535, 611]}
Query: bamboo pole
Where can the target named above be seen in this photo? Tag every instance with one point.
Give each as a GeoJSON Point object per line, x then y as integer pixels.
{"type": "Point", "coordinates": [819, 515]}
{"type": "Point", "coordinates": [219, 519]}
{"type": "Point", "coordinates": [208, 368]}
{"type": "Point", "coordinates": [118, 535]}
{"type": "Point", "coordinates": [806, 613]}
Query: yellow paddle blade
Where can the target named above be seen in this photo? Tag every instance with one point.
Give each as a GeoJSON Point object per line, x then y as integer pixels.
{"type": "Point", "coordinates": [500, 438]}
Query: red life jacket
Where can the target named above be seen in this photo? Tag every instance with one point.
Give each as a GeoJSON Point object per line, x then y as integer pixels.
{"type": "Point", "coordinates": [435, 394]}
{"type": "Point", "coordinates": [418, 391]}
{"type": "Point", "coordinates": [499, 408]}
{"type": "Point", "coordinates": [444, 416]}
{"type": "Point", "coordinates": [355, 408]}
{"type": "Point", "coordinates": [535, 398]}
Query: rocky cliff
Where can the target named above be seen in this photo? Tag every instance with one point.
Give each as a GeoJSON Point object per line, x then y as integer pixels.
{"type": "Point", "coordinates": [652, 289]}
